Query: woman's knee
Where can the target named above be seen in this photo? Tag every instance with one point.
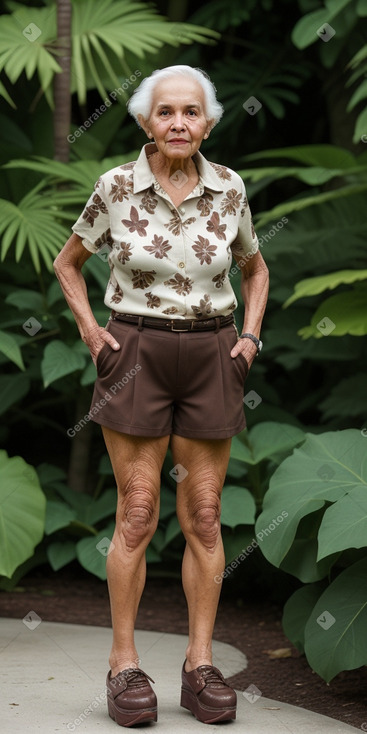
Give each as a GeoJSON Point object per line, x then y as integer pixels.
{"type": "Point", "coordinates": [203, 518]}
{"type": "Point", "coordinates": [137, 513]}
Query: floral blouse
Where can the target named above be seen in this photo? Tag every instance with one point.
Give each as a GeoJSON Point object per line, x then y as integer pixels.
{"type": "Point", "coordinates": [166, 260]}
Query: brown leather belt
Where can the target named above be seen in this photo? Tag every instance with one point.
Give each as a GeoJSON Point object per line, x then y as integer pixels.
{"type": "Point", "coordinates": [215, 323]}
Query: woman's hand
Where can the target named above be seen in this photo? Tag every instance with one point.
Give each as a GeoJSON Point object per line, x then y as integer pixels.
{"type": "Point", "coordinates": [95, 339]}
{"type": "Point", "coordinates": [245, 348]}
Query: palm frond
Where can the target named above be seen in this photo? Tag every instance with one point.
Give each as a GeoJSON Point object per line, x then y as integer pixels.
{"type": "Point", "coordinates": [33, 221]}
{"type": "Point", "coordinates": [102, 33]}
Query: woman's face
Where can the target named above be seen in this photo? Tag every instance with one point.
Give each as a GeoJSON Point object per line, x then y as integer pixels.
{"type": "Point", "coordinates": [177, 120]}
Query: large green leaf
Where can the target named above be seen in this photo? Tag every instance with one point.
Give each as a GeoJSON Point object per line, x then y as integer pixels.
{"type": "Point", "coordinates": [238, 506]}
{"type": "Point", "coordinates": [22, 512]}
{"type": "Point", "coordinates": [59, 360]}
{"type": "Point", "coordinates": [347, 398]}
{"type": "Point", "coordinates": [324, 156]}
{"type": "Point", "coordinates": [12, 389]}
{"type": "Point", "coordinates": [9, 347]}
{"type": "Point", "coordinates": [323, 469]}
{"type": "Point", "coordinates": [296, 612]}
{"type": "Point", "coordinates": [60, 553]}
{"type": "Point", "coordinates": [264, 441]}
{"type": "Point", "coordinates": [304, 32]}
{"type": "Point", "coordinates": [93, 558]}
{"type": "Point", "coordinates": [344, 524]}
{"type": "Point", "coordinates": [335, 634]}
{"type": "Point", "coordinates": [302, 561]}
{"type": "Point", "coordinates": [58, 515]}
{"type": "Point", "coordinates": [295, 205]}
{"type": "Point", "coordinates": [321, 283]}
{"type": "Point", "coordinates": [101, 508]}
{"type": "Point", "coordinates": [346, 313]}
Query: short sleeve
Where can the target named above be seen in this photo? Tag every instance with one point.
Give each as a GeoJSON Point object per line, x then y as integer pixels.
{"type": "Point", "coordinates": [93, 225]}
{"type": "Point", "coordinates": [246, 242]}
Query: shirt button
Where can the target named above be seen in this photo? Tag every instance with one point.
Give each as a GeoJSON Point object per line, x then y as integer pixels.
{"type": "Point", "coordinates": [181, 209]}
{"type": "Point", "coordinates": [181, 264]}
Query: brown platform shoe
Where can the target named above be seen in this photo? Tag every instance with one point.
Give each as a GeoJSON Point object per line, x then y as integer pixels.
{"type": "Point", "coordinates": [130, 697]}
{"type": "Point", "coordinates": [205, 693]}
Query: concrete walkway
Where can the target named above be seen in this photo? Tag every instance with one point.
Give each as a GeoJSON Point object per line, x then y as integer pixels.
{"type": "Point", "coordinates": [52, 679]}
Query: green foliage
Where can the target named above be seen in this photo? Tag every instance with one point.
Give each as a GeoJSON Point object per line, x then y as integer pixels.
{"type": "Point", "coordinates": [22, 510]}
{"type": "Point", "coordinates": [322, 488]}
{"type": "Point", "coordinates": [329, 627]}
{"type": "Point", "coordinates": [343, 16]}
{"type": "Point", "coordinates": [102, 34]}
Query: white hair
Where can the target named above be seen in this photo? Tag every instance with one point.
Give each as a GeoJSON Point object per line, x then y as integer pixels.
{"type": "Point", "coordinates": [140, 103]}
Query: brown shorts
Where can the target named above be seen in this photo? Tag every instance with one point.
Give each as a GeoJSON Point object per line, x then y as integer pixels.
{"type": "Point", "coordinates": [163, 382]}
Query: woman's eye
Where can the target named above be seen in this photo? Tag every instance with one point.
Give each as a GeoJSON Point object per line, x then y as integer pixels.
{"type": "Point", "coordinates": [164, 112]}
{"type": "Point", "coordinates": [192, 112]}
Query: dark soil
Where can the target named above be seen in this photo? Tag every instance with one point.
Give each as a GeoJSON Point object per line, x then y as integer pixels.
{"type": "Point", "coordinates": [253, 627]}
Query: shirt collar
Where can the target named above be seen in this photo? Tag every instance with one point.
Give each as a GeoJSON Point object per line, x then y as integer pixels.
{"type": "Point", "coordinates": [143, 175]}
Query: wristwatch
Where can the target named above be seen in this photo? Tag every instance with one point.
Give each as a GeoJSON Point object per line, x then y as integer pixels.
{"type": "Point", "coordinates": [259, 344]}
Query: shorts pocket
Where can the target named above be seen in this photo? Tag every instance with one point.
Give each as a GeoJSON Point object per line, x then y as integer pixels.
{"type": "Point", "coordinates": [101, 355]}
{"type": "Point", "coordinates": [241, 365]}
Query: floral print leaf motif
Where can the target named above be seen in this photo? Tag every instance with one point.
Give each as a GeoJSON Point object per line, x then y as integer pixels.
{"type": "Point", "coordinates": [142, 278]}
{"type": "Point", "coordinates": [205, 306]}
{"type": "Point", "coordinates": [244, 206]}
{"type": "Point", "coordinates": [181, 285]}
{"type": "Point", "coordinates": [153, 301]}
{"type": "Point", "coordinates": [128, 166]}
{"type": "Point", "coordinates": [104, 239]}
{"type": "Point", "coordinates": [121, 188]}
{"type": "Point", "coordinates": [213, 225]}
{"type": "Point", "coordinates": [222, 171]}
{"type": "Point", "coordinates": [231, 202]}
{"type": "Point", "coordinates": [171, 310]}
{"type": "Point", "coordinates": [92, 211]}
{"type": "Point", "coordinates": [204, 250]}
{"type": "Point", "coordinates": [159, 247]}
{"type": "Point", "coordinates": [125, 252]}
{"type": "Point", "coordinates": [253, 230]}
{"type": "Point", "coordinates": [135, 224]}
{"type": "Point", "coordinates": [148, 202]}
{"type": "Point", "coordinates": [205, 204]}
{"type": "Point", "coordinates": [118, 295]}
{"type": "Point", "coordinates": [175, 224]}
{"type": "Point", "coordinates": [219, 279]}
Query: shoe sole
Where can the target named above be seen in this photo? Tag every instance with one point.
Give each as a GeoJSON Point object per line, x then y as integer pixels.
{"type": "Point", "coordinates": [202, 713]}
{"type": "Point", "coordinates": [129, 718]}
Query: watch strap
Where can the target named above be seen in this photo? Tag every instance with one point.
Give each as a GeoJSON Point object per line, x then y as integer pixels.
{"type": "Point", "coordinates": [253, 338]}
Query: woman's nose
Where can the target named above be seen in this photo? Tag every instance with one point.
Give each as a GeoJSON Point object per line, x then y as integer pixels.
{"type": "Point", "coordinates": [178, 123]}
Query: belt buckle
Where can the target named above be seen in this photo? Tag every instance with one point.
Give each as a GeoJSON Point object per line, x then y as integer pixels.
{"type": "Point", "coordinates": [173, 329]}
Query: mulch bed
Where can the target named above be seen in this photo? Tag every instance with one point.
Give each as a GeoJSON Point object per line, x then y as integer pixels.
{"type": "Point", "coordinates": [254, 627]}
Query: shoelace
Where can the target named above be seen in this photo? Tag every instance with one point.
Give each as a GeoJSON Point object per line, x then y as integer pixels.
{"type": "Point", "coordinates": [211, 676]}
{"type": "Point", "coordinates": [136, 678]}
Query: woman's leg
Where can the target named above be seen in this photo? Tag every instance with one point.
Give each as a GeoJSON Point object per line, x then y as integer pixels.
{"type": "Point", "coordinates": [198, 512]}
{"type": "Point", "coordinates": [137, 463]}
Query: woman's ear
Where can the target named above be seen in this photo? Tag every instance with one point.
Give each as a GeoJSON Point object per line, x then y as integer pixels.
{"type": "Point", "coordinates": [209, 128]}
{"type": "Point", "coordinates": [143, 123]}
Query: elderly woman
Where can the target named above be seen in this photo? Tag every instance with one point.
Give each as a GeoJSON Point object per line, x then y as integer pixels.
{"type": "Point", "coordinates": [171, 365]}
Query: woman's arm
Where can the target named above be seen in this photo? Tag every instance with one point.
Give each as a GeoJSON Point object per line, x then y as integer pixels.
{"type": "Point", "coordinates": [254, 290]}
{"type": "Point", "coordinates": [67, 266]}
